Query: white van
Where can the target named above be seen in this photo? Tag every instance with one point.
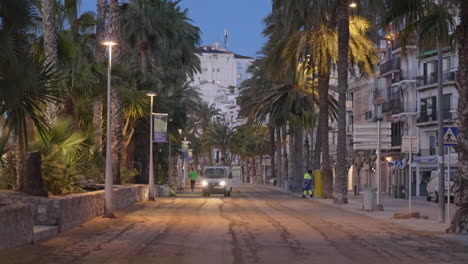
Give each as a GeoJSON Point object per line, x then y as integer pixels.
{"type": "Point", "coordinates": [216, 180]}
{"type": "Point", "coordinates": [433, 185]}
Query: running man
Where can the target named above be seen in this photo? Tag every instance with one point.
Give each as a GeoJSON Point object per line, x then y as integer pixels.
{"type": "Point", "coordinates": [193, 177]}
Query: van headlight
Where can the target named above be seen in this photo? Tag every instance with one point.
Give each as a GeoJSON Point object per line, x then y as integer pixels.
{"type": "Point", "coordinates": [204, 183]}
{"type": "Point", "coordinates": [222, 183]}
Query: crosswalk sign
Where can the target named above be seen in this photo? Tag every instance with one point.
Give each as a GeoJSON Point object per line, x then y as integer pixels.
{"type": "Point", "coordinates": [450, 136]}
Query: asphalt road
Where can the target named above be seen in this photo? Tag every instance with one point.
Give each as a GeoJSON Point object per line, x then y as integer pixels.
{"type": "Point", "coordinates": [255, 225]}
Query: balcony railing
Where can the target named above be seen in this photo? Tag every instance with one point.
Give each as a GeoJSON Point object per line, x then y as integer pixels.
{"type": "Point", "coordinates": [391, 65]}
{"type": "Point", "coordinates": [428, 152]}
{"type": "Point", "coordinates": [424, 80]}
{"type": "Point", "coordinates": [449, 115]}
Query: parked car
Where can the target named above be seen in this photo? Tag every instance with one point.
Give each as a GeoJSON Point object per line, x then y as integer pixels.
{"type": "Point", "coordinates": [217, 180]}
{"type": "Point", "coordinates": [433, 185]}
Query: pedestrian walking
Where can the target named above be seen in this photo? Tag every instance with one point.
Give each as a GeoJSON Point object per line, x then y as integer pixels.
{"type": "Point", "coordinates": [307, 184]}
{"type": "Point", "coordinates": [193, 177]}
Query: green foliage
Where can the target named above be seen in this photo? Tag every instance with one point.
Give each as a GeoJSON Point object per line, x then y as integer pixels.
{"type": "Point", "coordinates": [67, 152]}
{"type": "Point", "coordinates": [128, 175]}
{"type": "Point", "coordinates": [7, 171]}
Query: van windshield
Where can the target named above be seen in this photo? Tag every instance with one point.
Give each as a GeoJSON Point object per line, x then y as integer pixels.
{"type": "Point", "coordinates": [214, 173]}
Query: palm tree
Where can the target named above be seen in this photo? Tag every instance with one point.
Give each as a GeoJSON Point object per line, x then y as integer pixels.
{"type": "Point", "coordinates": [220, 136]}
{"type": "Point", "coordinates": [50, 47]}
{"type": "Point", "coordinates": [340, 190]}
{"type": "Point", "coordinates": [459, 222]}
{"type": "Point", "coordinates": [114, 32]}
{"type": "Point", "coordinates": [98, 104]}
{"type": "Point", "coordinates": [27, 82]}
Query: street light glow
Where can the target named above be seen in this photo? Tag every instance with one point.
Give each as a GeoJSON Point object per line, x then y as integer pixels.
{"type": "Point", "coordinates": [109, 43]}
{"type": "Point", "coordinates": [151, 94]}
{"type": "Point", "coordinates": [353, 5]}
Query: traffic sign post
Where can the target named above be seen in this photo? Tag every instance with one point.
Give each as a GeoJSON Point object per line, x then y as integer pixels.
{"type": "Point", "coordinates": [410, 145]}
{"type": "Point", "coordinates": [365, 138]}
{"type": "Point", "coordinates": [450, 140]}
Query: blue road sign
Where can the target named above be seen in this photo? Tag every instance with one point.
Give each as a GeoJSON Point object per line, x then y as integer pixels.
{"type": "Point", "coordinates": [450, 136]}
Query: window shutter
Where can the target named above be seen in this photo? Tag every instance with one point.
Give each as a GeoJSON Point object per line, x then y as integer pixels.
{"type": "Point", "coordinates": [434, 108]}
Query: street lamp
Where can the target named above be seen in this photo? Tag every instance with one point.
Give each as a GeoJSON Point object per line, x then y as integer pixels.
{"type": "Point", "coordinates": [169, 170]}
{"type": "Point", "coordinates": [108, 180]}
{"type": "Point", "coordinates": [353, 5]}
{"type": "Point", "coordinates": [151, 169]}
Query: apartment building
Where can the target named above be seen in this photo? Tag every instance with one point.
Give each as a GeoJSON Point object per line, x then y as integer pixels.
{"type": "Point", "coordinates": [404, 93]}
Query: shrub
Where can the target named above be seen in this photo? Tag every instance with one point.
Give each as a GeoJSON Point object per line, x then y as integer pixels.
{"type": "Point", "coordinates": [67, 152]}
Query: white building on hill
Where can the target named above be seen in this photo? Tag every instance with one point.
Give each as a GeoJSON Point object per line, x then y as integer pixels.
{"type": "Point", "coordinates": [222, 72]}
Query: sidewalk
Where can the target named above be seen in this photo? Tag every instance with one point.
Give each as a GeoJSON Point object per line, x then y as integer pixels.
{"type": "Point", "coordinates": [391, 206]}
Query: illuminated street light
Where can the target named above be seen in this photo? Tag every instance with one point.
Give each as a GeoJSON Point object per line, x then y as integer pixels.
{"type": "Point", "coordinates": [108, 180]}
{"type": "Point", "coordinates": [151, 169]}
{"type": "Point", "coordinates": [353, 5]}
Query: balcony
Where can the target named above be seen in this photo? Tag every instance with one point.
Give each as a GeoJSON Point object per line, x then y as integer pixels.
{"type": "Point", "coordinates": [428, 152]}
{"type": "Point", "coordinates": [396, 106]}
{"type": "Point", "coordinates": [424, 117]}
{"type": "Point", "coordinates": [431, 80]}
{"type": "Point", "coordinates": [390, 66]}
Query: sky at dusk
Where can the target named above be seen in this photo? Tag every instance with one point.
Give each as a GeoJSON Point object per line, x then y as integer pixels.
{"type": "Point", "coordinates": [242, 18]}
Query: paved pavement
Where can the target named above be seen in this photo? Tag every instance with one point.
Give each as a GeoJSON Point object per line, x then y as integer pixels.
{"type": "Point", "coordinates": [255, 225]}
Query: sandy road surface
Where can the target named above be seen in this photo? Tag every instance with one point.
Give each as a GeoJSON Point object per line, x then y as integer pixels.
{"type": "Point", "coordinates": [255, 225]}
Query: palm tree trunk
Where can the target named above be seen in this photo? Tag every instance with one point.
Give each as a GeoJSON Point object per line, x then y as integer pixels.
{"type": "Point", "coordinates": [262, 171]}
{"type": "Point", "coordinates": [284, 174]}
{"type": "Point", "coordinates": [98, 111]}
{"type": "Point", "coordinates": [311, 156]}
{"type": "Point", "coordinates": [459, 222]}
{"type": "Point", "coordinates": [291, 159]}
{"type": "Point", "coordinates": [272, 151]}
{"type": "Point", "coordinates": [98, 105]}
{"type": "Point", "coordinates": [116, 101]}
{"type": "Point", "coordinates": [20, 149]}
{"type": "Point", "coordinates": [298, 161]}
{"type": "Point", "coordinates": [340, 191]}
{"type": "Point", "coordinates": [50, 49]}
{"type": "Point", "coordinates": [279, 167]}
{"type": "Point", "coordinates": [307, 152]}
{"type": "Point", "coordinates": [144, 56]}
{"type": "Point", "coordinates": [327, 179]}
{"type": "Point", "coordinates": [317, 150]}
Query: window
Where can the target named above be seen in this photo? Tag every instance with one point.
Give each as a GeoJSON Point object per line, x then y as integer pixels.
{"type": "Point", "coordinates": [428, 109]}
{"type": "Point", "coordinates": [446, 106]}
{"type": "Point", "coordinates": [205, 69]}
{"type": "Point", "coordinates": [213, 69]}
{"type": "Point", "coordinates": [217, 69]}
{"type": "Point", "coordinates": [432, 144]}
{"type": "Point", "coordinates": [430, 72]}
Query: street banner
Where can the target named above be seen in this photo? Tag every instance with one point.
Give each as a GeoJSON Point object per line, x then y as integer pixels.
{"type": "Point", "coordinates": [190, 154]}
{"type": "Point", "coordinates": [185, 146]}
{"type": "Point", "coordinates": [160, 128]}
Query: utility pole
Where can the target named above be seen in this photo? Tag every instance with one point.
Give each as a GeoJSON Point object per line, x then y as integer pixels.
{"type": "Point", "coordinates": [440, 131]}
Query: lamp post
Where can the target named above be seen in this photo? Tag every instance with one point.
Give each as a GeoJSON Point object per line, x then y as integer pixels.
{"type": "Point", "coordinates": [109, 179]}
{"type": "Point", "coordinates": [179, 174]}
{"type": "Point", "coordinates": [151, 169]}
{"type": "Point", "coordinates": [353, 4]}
{"type": "Point", "coordinates": [169, 170]}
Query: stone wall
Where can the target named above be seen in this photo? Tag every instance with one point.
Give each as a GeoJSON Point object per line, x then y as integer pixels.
{"type": "Point", "coordinates": [79, 208]}
{"type": "Point", "coordinates": [16, 225]}
{"type": "Point", "coordinates": [73, 210]}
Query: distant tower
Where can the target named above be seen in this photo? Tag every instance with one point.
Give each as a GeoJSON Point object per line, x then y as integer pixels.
{"type": "Point", "coordinates": [226, 38]}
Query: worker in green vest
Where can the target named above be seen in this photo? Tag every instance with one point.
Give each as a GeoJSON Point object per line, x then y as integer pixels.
{"type": "Point", "coordinates": [308, 184]}
{"type": "Point", "coordinates": [193, 177]}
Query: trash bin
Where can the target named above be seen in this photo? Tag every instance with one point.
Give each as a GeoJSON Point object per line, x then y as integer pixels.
{"type": "Point", "coordinates": [369, 198]}
{"type": "Point", "coordinates": [318, 186]}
